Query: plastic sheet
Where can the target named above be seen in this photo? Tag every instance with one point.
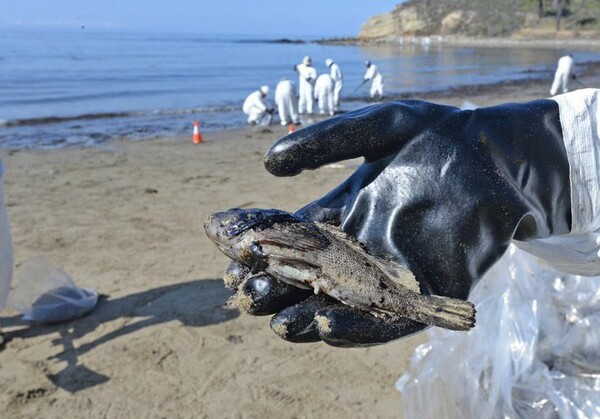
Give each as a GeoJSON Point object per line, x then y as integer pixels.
{"type": "Point", "coordinates": [535, 351]}
{"type": "Point", "coordinates": [45, 293]}
{"type": "Point", "coordinates": [6, 250]}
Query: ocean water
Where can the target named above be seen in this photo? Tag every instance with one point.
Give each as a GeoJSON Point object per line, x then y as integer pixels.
{"type": "Point", "coordinates": [61, 88]}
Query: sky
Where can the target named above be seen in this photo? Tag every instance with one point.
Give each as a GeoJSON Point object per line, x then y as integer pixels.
{"type": "Point", "coordinates": [318, 18]}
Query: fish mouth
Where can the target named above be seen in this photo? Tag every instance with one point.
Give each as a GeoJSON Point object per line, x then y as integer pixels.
{"type": "Point", "coordinates": [217, 225]}
{"type": "Point", "coordinates": [223, 227]}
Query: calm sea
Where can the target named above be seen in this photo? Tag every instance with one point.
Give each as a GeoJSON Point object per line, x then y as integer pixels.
{"type": "Point", "coordinates": [80, 87]}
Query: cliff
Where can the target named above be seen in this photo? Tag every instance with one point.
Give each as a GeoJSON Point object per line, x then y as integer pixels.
{"type": "Point", "coordinates": [485, 18]}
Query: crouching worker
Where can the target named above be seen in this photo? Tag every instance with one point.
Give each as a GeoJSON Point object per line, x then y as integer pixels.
{"type": "Point", "coordinates": [256, 107]}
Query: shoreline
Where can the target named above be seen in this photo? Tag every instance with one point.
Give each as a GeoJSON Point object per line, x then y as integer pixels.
{"type": "Point", "coordinates": [465, 41]}
{"type": "Point", "coordinates": [590, 71]}
{"type": "Point", "coordinates": [541, 81]}
{"type": "Point", "coordinates": [412, 71]}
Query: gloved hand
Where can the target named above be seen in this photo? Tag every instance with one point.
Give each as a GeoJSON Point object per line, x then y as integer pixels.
{"type": "Point", "coordinates": [442, 191]}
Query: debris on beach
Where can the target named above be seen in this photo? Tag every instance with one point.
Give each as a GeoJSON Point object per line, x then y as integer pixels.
{"type": "Point", "coordinates": [45, 293]}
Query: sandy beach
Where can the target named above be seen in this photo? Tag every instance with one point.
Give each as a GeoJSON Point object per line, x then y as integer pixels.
{"type": "Point", "coordinates": [126, 219]}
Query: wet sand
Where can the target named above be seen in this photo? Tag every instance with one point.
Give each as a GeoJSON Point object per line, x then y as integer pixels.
{"type": "Point", "coordinates": [126, 220]}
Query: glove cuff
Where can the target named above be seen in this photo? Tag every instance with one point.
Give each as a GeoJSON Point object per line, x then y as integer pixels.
{"type": "Point", "coordinates": [579, 114]}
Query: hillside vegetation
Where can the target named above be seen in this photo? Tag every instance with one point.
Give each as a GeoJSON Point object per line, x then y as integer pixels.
{"type": "Point", "coordinates": [487, 18]}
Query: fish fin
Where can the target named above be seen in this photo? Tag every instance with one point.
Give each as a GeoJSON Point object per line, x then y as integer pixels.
{"type": "Point", "coordinates": [341, 235]}
{"type": "Point", "coordinates": [301, 236]}
{"type": "Point", "coordinates": [295, 262]}
{"type": "Point", "coordinates": [397, 273]}
{"type": "Point", "coordinates": [293, 271]}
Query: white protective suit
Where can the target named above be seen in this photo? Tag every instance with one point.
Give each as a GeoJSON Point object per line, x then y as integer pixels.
{"type": "Point", "coordinates": [338, 81]}
{"type": "Point", "coordinates": [307, 77]}
{"type": "Point", "coordinates": [324, 94]}
{"type": "Point", "coordinates": [287, 102]}
{"type": "Point", "coordinates": [256, 109]}
{"type": "Point", "coordinates": [535, 351]}
{"type": "Point", "coordinates": [564, 71]}
{"type": "Point", "coordinates": [376, 78]}
{"type": "Point", "coordinates": [6, 252]}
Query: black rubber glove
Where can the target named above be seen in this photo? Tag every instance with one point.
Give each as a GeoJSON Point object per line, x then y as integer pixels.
{"type": "Point", "coordinates": [442, 191]}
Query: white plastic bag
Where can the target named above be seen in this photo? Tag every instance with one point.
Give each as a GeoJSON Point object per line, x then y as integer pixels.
{"type": "Point", "coordinates": [535, 351]}
{"type": "Point", "coordinates": [6, 251]}
{"type": "Point", "coordinates": [45, 293]}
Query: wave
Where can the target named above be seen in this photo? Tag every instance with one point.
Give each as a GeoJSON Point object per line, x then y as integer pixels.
{"type": "Point", "coordinates": [58, 119]}
{"type": "Point", "coordinates": [86, 97]}
{"type": "Point", "coordinates": [111, 115]}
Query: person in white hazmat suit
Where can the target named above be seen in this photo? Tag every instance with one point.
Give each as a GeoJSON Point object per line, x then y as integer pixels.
{"type": "Point", "coordinates": [256, 107]}
{"type": "Point", "coordinates": [287, 102]}
{"type": "Point", "coordinates": [338, 81]}
{"type": "Point", "coordinates": [324, 91]}
{"type": "Point", "coordinates": [565, 71]}
{"type": "Point", "coordinates": [307, 75]}
{"type": "Point", "coordinates": [475, 212]}
{"type": "Point", "coordinates": [376, 79]}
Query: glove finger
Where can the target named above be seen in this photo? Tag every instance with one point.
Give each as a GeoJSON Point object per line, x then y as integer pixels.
{"type": "Point", "coordinates": [372, 132]}
{"type": "Point", "coordinates": [347, 327]}
{"type": "Point", "coordinates": [235, 275]}
{"type": "Point", "coordinates": [261, 294]}
{"type": "Point", "coordinates": [297, 323]}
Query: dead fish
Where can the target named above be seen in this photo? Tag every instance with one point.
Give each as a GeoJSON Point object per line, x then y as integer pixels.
{"type": "Point", "coordinates": [319, 256]}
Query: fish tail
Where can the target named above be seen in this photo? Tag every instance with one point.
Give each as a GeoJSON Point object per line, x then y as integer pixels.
{"type": "Point", "coordinates": [446, 312]}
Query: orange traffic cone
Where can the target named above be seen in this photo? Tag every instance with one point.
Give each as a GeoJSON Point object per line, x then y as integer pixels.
{"type": "Point", "coordinates": [291, 128]}
{"type": "Point", "coordinates": [197, 137]}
